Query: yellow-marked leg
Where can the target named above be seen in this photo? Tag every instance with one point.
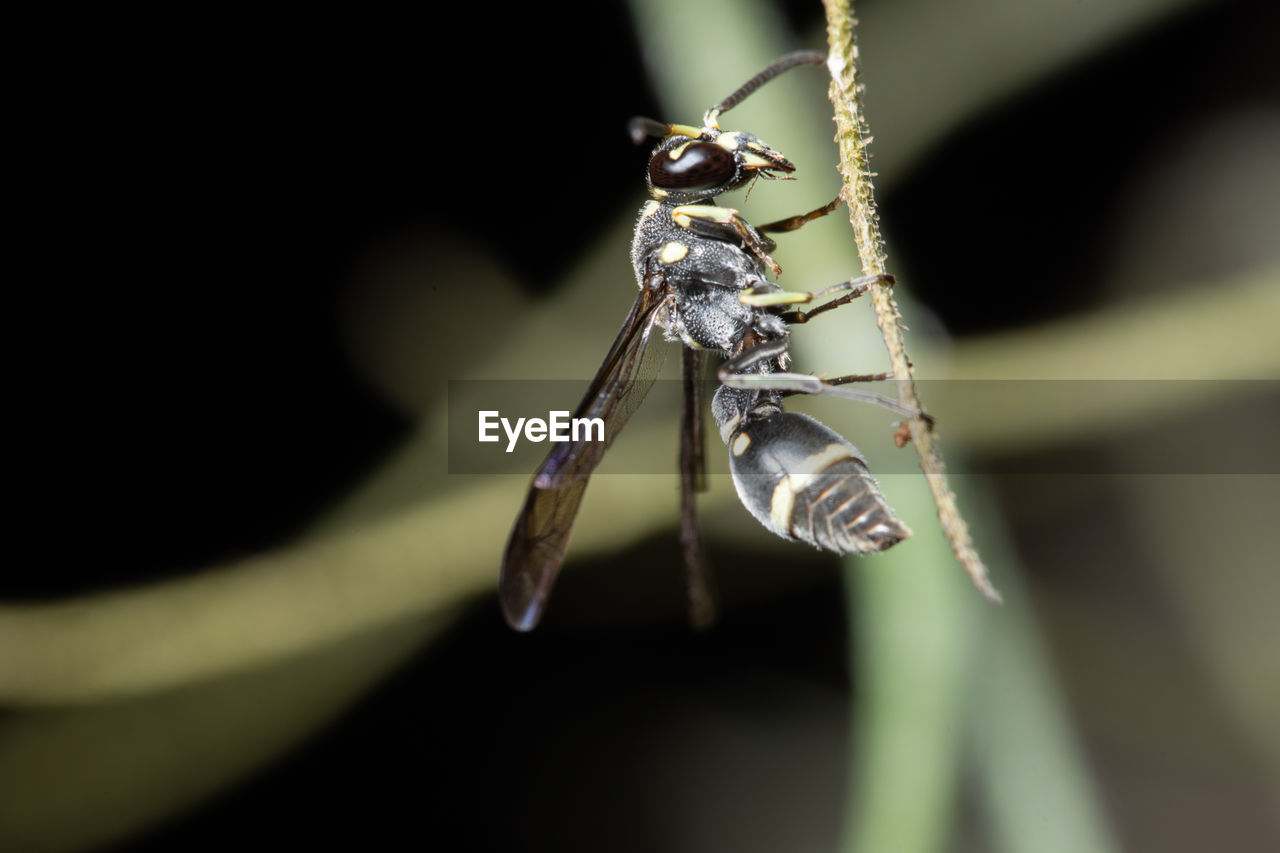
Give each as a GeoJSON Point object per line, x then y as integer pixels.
{"type": "Point", "coordinates": [855, 287]}
{"type": "Point", "coordinates": [751, 296]}
{"type": "Point", "coordinates": [717, 222]}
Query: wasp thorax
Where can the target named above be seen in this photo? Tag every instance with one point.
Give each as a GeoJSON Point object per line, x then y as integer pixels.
{"type": "Point", "coordinates": [694, 165]}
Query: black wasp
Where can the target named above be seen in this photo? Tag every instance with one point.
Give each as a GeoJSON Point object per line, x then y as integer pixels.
{"type": "Point", "coordinates": [701, 269]}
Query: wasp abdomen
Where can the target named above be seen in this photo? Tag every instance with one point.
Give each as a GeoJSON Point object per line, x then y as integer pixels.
{"type": "Point", "coordinates": [804, 481]}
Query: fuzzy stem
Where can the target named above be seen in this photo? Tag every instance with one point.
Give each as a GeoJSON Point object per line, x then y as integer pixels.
{"type": "Point", "coordinates": [859, 193]}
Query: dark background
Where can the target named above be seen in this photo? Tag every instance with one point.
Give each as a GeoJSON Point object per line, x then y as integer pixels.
{"type": "Point", "coordinates": [193, 194]}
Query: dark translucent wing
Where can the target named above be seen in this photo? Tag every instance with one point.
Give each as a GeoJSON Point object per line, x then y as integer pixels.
{"type": "Point", "coordinates": [537, 543]}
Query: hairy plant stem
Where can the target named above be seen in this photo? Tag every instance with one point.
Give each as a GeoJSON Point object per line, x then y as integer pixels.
{"type": "Point", "coordinates": [859, 194]}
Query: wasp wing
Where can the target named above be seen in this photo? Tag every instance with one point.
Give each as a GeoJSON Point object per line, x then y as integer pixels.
{"type": "Point", "coordinates": [541, 533]}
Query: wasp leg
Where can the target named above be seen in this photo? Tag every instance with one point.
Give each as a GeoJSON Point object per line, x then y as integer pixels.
{"type": "Point", "coordinates": [699, 583]}
{"type": "Point", "coordinates": [724, 223]}
{"type": "Point", "coordinates": [859, 377]}
{"type": "Point", "coordinates": [791, 223]}
{"type": "Point", "coordinates": [736, 373]}
{"type": "Point", "coordinates": [860, 286]}
{"type": "Point", "coordinates": [803, 383]}
{"type": "Point", "coordinates": [757, 298]}
{"type": "Point", "coordinates": [744, 362]}
{"type": "Point", "coordinates": [741, 368]}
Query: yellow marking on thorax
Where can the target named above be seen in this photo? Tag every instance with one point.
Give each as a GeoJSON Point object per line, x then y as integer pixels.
{"type": "Point", "coordinates": [673, 252]}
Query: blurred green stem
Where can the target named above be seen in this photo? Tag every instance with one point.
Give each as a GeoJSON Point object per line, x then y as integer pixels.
{"type": "Point", "coordinates": [908, 633]}
{"type": "Point", "coordinates": [911, 638]}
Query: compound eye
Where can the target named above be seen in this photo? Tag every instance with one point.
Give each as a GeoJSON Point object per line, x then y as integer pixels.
{"type": "Point", "coordinates": [693, 166]}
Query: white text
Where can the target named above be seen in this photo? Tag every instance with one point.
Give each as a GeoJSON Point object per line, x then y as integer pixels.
{"type": "Point", "coordinates": [558, 427]}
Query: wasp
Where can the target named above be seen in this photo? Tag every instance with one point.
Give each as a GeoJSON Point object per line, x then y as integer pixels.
{"type": "Point", "coordinates": [703, 277]}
